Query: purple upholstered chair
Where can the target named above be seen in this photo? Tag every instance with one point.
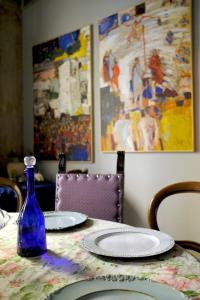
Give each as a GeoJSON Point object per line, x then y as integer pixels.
{"type": "Point", "coordinates": [96, 195]}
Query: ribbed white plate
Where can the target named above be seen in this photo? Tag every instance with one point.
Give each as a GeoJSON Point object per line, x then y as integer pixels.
{"type": "Point", "coordinates": [117, 288]}
{"type": "Point", "coordinates": [57, 220]}
{"type": "Point", "coordinates": [4, 218]}
{"type": "Point", "coordinates": [128, 242]}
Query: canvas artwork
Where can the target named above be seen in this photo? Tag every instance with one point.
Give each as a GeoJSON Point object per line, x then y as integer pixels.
{"type": "Point", "coordinates": [63, 97]}
{"type": "Point", "coordinates": [146, 78]}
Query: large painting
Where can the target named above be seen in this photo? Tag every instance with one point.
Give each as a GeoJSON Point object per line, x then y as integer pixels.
{"type": "Point", "coordinates": [62, 97]}
{"type": "Point", "coordinates": [146, 78]}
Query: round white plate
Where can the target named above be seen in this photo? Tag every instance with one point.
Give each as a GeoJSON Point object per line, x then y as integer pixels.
{"type": "Point", "coordinates": [55, 220]}
{"type": "Point", "coordinates": [4, 218]}
{"type": "Point", "coordinates": [128, 242]}
{"type": "Point", "coordinates": [117, 288]}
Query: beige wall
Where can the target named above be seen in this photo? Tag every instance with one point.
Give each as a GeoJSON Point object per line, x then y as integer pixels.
{"type": "Point", "coordinates": [11, 117]}
{"type": "Point", "coordinates": [145, 173]}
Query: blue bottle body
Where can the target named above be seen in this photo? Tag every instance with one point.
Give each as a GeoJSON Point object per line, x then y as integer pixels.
{"type": "Point", "coordinates": [31, 224]}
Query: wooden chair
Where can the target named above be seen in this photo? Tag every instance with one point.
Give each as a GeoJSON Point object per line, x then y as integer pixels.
{"type": "Point", "coordinates": [96, 195]}
{"type": "Point", "coordinates": [7, 183]}
{"type": "Point", "coordinates": [176, 188]}
{"type": "Point", "coordinates": [62, 166]}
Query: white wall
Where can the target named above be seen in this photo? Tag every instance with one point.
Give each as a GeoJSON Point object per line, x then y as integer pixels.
{"type": "Point", "coordinates": [145, 173]}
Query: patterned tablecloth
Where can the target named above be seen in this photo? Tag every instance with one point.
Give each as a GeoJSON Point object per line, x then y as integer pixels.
{"type": "Point", "coordinates": [66, 262]}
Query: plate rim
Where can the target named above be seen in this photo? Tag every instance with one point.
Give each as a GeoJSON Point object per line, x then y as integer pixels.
{"type": "Point", "coordinates": [5, 218]}
{"type": "Point", "coordinates": [90, 245]}
{"type": "Point", "coordinates": [119, 278]}
{"type": "Point", "coordinates": [83, 218]}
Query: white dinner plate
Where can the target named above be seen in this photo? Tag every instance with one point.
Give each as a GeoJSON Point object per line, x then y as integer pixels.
{"type": "Point", "coordinates": [127, 242]}
{"type": "Point", "coordinates": [56, 220]}
{"type": "Point", "coordinates": [4, 218]}
{"type": "Point", "coordinates": [117, 288]}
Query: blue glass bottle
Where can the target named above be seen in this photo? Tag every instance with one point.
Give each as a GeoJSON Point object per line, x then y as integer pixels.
{"type": "Point", "coordinates": [31, 224]}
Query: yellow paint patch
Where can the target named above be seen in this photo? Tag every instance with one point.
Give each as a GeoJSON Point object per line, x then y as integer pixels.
{"type": "Point", "coordinates": [79, 111]}
{"type": "Point", "coordinates": [176, 129]}
{"type": "Point", "coordinates": [82, 52]}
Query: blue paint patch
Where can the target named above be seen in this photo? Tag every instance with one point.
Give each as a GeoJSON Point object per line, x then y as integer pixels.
{"type": "Point", "coordinates": [108, 24]}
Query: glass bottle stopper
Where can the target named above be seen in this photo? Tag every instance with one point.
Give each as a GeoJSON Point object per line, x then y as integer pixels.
{"type": "Point", "coordinates": [29, 161]}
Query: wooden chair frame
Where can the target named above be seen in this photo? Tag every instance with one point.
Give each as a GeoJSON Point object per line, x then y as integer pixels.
{"type": "Point", "coordinates": [176, 188]}
{"type": "Point", "coordinates": [11, 184]}
{"type": "Point", "coordinates": [62, 164]}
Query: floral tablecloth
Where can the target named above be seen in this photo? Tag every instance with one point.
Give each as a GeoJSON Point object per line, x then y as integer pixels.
{"type": "Point", "coordinates": [66, 262]}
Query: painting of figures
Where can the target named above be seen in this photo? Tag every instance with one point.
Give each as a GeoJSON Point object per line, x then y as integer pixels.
{"type": "Point", "coordinates": [62, 97]}
{"type": "Point", "coordinates": [146, 78]}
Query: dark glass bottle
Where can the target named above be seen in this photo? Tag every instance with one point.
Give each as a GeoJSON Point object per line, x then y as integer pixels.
{"type": "Point", "coordinates": [31, 224]}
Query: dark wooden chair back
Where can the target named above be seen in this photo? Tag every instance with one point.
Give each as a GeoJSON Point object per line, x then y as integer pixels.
{"type": "Point", "coordinates": [62, 166]}
{"type": "Point", "coordinates": [176, 188]}
{"type": "Point", "coordinates": [63, 162]}
{"type": "Point", "coordinates": [7, 183]}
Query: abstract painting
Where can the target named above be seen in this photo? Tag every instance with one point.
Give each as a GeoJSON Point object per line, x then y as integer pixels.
{"type": "Point", "coordinates": [146, 78]}
{"type": "Point", "coordinates": [62, 92]}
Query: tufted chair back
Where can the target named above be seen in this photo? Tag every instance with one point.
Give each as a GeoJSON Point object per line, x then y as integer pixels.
{"type": "Point", "coordinates": [96, 195]}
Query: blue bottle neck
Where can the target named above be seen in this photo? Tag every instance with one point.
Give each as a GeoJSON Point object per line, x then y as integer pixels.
{"type": "Point", "coordinates": [30, 181]}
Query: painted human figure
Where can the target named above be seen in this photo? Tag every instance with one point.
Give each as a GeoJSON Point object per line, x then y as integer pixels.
{"type": "Point", "coordinates": [135, 32]}
{"type": "Point", "coordinates": [106, 67]}
{"type": "Point", "coordinates": [156, 68]}
{"type": "Point", "coordinates": [110, 64]}
{"type": "Point", "coordinates": [148, 131]}
{"type": "Point", "coordinates": [115, 77]}
{"type": "Point", "coordinates": [123, 133]}
{"type": "Point", "coordinates": [137, 80]}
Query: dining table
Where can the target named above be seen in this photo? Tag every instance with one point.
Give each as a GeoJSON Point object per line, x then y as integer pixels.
{"type": "Point", "coordinates": [67, 261]}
